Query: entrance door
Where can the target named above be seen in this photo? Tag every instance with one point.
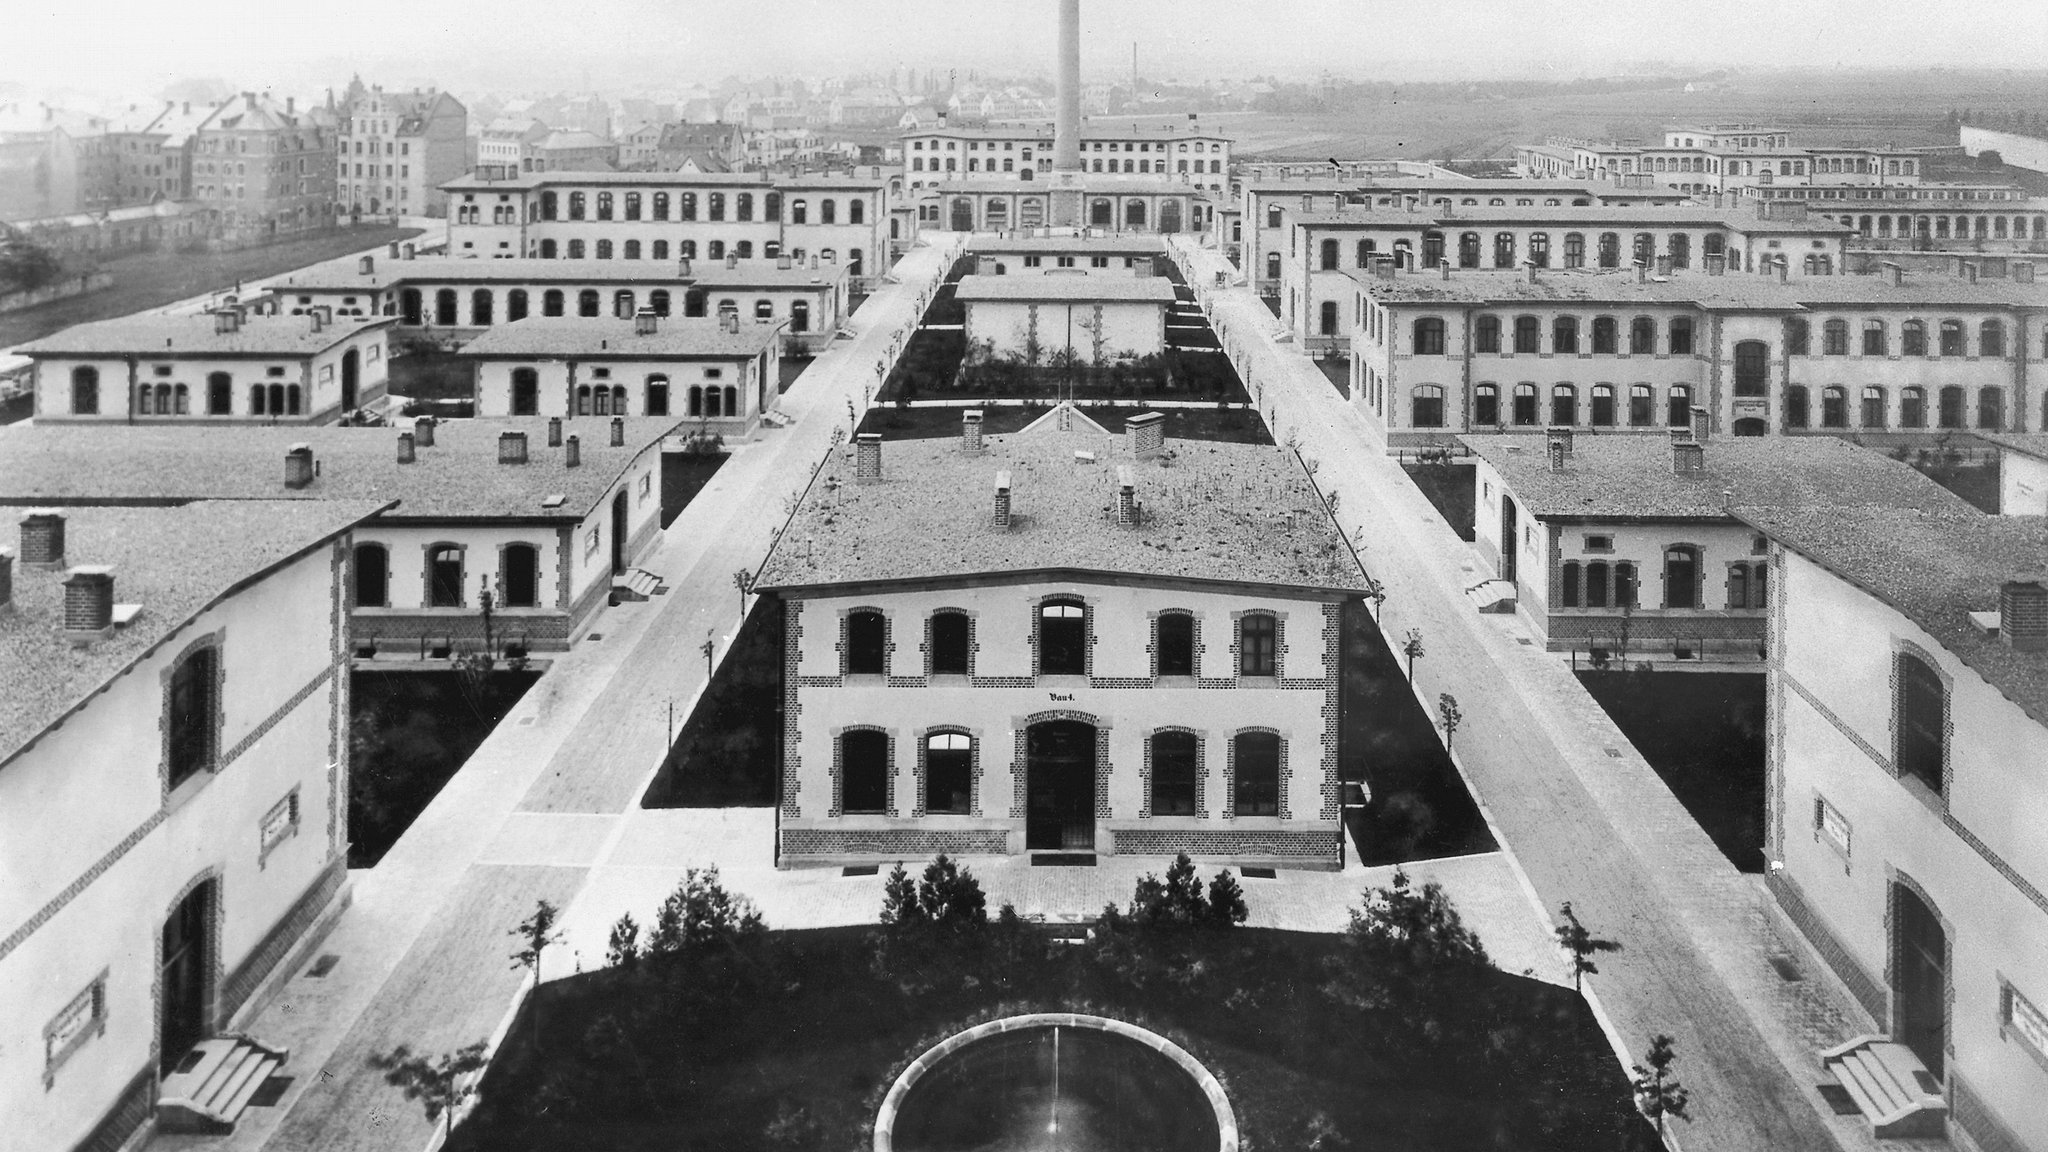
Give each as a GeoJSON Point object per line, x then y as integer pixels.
{"type": "Point", "coordinates": [185, 949]}
{"type": "Point", "coordinates": [1060, 787]}
{"type": "Point", "coordinates": [619, 533]}
{"type": "Point", "coordinates": [351, 366]}
{"type": "Point", "coordinates": [1920, 988]}
{"type": "Point", "coordinates": [963, 214]}
{"type": "Point", "coordinates": [1510, 535]}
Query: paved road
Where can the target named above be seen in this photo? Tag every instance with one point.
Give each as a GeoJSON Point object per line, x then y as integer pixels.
{"type": "Point", "coordinates": [1583, 814]}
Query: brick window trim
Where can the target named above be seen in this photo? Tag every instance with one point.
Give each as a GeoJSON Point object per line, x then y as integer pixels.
{"type": "Point", "coordinates": [2008, 992]}
{"type": "Point", "coordinates": [215, 752]}
{"type": "Point", "coordinates": [843, 647]}
{"type": "Point", "coordinates": [1902, 647]}
{"type": "Point", "coordinates": [209, 963]}
{"type": "Point", "coordinates": [1230, 774]}
{"type": "Point", "coordinates": [1088, 624]}
{"type": "Point", "coordinates": [839, 770]}
{"type": "Point", "coordinates": [286, 811]}
{"type": "Point", "coordinates": [427, 574]}
{"type": "Point", "coordinates": [921, 770]}
{"type": "Point", "coordinates": [92, 1000]}
{"type": "Point", "coordinates": [973, 641]}
{"type": "Point", "coordinates": [1152, 644]}
{"type": "Point", "coordinates": [1237, 645]}
{"type": "Point", "coordinates": [1145, 808]}
{"type": "Point", "coordinates": [1897, 881]}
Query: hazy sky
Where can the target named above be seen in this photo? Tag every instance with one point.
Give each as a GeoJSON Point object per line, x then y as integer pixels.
{"type": "Point", "coordinates": [139, 45]}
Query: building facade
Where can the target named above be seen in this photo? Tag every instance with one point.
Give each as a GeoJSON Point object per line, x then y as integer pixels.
{"type": "Point", "coordinates": [396, 149]}
{"type": "Point", "coordinates": [1705, 159]}
{"type": "Point", "coordinates": [1188, 155]}
{"type": "Point", "coordinates": [264, 168]}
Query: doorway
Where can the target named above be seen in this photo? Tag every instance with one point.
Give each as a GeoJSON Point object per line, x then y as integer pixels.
{"type": "Point", "coordinates": [351, 367]}
{"type": "Point", "coordinates": [619, 533]}
{"type": "Point", "coordinates": [1920, 978]}
{"type": "Point", "coordinates": [1060, 786]}
{"type": "Point", "coordinates": [963, 214]}
{"type": "Point", "coordinates": [187, 976]}
{"type": "Point", "coordinates": [1510, 531]}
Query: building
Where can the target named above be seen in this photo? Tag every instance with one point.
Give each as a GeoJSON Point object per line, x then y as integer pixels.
{"type": "Point", "coordinates": [2022, 472]}
{"type": "Point", "coordinates": [1622, 549]}
{"type": "Point", "coordinates": [1094, 318]}
{"type": "Point", "coordinates": [1007, 253]}
{"type": "Point", "coordinates": [573, 150]}
{"type": "Point", "coordinates": [1699, 160]}
{"type": "Point", "coordinates": [1184, 154]}
{"type": "Point", "coordinates": [1310, 275]}
{"type": "Point", "coordinates": [141, 173]}
{"type": "Point", "coordinates": [396, 149]}
{"type": "Point", "coordinates": [174, 698]}
{"type": "Point", "coordinates": [712, 147]}
{"type": "Point", "coordinates": [638, 145]}
{"type": "Point", "coordinates": [547, 517]}
{"type": "Point", "coordinates": [1112, 655]}
{"type": "Point", "coordinates": [263, 168]}
{"type": "Point", "coordinates": [179, 126]}
{"type": "Point", "coordinates": [53, 162]}
{"type": "Point", "coordinates": [1149, 207]}
{"type": "Point", "coordinates": [504, 147]}
{"type": "Point", "coordinates": [220, 367]}
{"type": "Point", "coordinates": [1902, 358]}
{"type": "Point", "coordinates": [721, 372]}
{"type": "Point", "coordinates": [1908, 655]}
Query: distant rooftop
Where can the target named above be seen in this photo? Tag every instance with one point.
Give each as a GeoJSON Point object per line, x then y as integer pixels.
{"type": "Point", "coordinates": [611, 338]}
{"type": "Point", "coordinates": [1056, 287]}
{"type": "Point", "coordinates": [459, 477]}
{"type": "Point", "coordinates": [526, 181]}
{"type": "Point", "coordinates": [2033, 444]}
{"type": "Point", "coordinates": [1220, 512]}
{"type": "Point", "coordinates": [386, 272]}
{"type": "Point", "coordinates": [153, 334]}
{"type": "Point", "coordinates": [174, 562]}
{"type": "Point", "coordinates": [1733, 291]}
{"type": "Point", "coordinates": [1739, 218]}
{"type": "Point", "coordinates": [1128, 243]}
{"type": "Point", "coordinates": [1934, 569]}
{"type": "Point", "coordinates": [1631, 478]}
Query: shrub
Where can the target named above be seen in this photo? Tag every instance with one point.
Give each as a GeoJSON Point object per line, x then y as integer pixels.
{"type": "Point", "coordinates": [1178, 901]}
{"type": "Point", "coordinates": [701, 913]}
{"type": "Point", "coordinates": [948, 896]}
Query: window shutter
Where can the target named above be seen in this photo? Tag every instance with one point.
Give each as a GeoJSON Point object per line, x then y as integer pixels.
{"type": "Point", "coordinates": [1738, 586]}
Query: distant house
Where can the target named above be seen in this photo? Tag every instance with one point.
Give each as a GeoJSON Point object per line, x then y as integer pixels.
{"type": "Point", "coordinates": [712, 147]}
{"type": "Point", "coordinates": [573, 151]}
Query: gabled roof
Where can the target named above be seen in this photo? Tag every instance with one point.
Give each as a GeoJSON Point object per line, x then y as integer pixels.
{"type": "Point", "coordinates": [156, 335]}
{"type": "Point", "coordinates": [615, 339]}
{"type": "Point", "coordinates": [1118, 289]}
{"type": "Point", "coordinates": [1733, 291]}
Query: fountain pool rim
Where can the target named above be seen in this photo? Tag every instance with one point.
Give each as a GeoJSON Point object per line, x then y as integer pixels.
{"type": "Point", "coordinates": [1226, 1119]}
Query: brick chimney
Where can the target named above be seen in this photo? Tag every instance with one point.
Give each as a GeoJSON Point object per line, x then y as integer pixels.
{"type": "Point", "coordinates": [1664, 264]}
{"type": "Point", "coordinates": [1784, 270]}
{"type": "Point", "coordinates": [1443, 269]}
{"type": "Point", "coordinates": [554, 431]}
{"type": "Point", "coordinates": [317, 319]}
{"type": "Point", "coordinates": [88, 603]}
{"type": "Point", "coordinates": [572, 452]}
{"type": "Point", "coordinates": [298, 466]}
{"type": "Point", "coordinates": [1642, 272]}
{"type": "Point", "coordinates": [406, 454]}
{"type": "Point", "coordinates": [366, 265]}
{"type": "Point", "coordinates": [1700, 424]}
{"type": "Point", "coordinates": [645, 323]}
{"type": "Point", "coordinates": [511, 447]}
{"type": "Point", "coordinates": [408, 251]}
{"type": "Point", "coordinates": [1969, 269]}
{"type": "Point", "coordinates": [1894, 273]}
{"type": "Point", "coordinates": [867, 457]}
{"type": "Point", "coordinates": [227, 321]}
{"type": "Point", "coordinates": [1002, 516]}
{"type": "Point", "coordinates": [1145, 435]}
{"type": "Point", "coordinates": [1716, 264]}
{"type": "Point", "coordinates": [618, 431]}
{"type": "Point", "coordinates": [2023, 272]}
{"type": "Point", "coordinates": [683, 268]}
{"type": "Point", "coordinates": [2023, 615]}
{"type": "Point", "coordinates": [1126, 497]}
{"type": "Point", "coordinates": [1528, 271]}
{"type": "Point", "coordinates": [423, 431]}
{"type": "Point", "coordinates": [393, 252]}
{"type": "Point", "coordinates": [1560, 440]}
{"type": "Point", "coordinates": [732, 260]}
{"type": "Point", "coordinates": [970, 432]}
{"type": "Point", "coordinates": [42, 540]}
{"type": "Point", "coordinates": [1687, 457]}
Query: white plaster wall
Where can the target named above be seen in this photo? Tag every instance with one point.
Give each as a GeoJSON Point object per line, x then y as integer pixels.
{"type": "Point", "coordinates": [2022, 484]}
{"type": "Point", "coordinates": [1137, 329]}
{"type": "Point", "coordinates": [317, 377]}
{"type": "Point", "coordinates": [494, 385]}
{"type": "Point", "coordinates": [484, 544]}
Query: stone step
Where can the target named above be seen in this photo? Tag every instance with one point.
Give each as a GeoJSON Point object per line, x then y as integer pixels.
{"type": "Point", "coordinates": [214, 1091]}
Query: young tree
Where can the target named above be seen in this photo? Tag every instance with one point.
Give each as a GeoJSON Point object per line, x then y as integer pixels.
{"type": "Point", "coordinates": [622, 949]}
{"type": "Point", "coordinates": [1375, 592]}
{"type": "Point", "coordinates": [949, 896]}
{"type": "Point", "coordinates": [1657, 1089]}
{"type": "Point", "coordinates": [701, 913]}
{"type": "Point", "coordinates": [536, 932]}
{"type": "Point", "coordinates": [1226, 901]}
{"type": "Point", "coordinates": [1448, 716]}
{"type": "Point", "coordinates": [899, 899]}
{"type": "Point", "coordinates": [1411, 647]}
{"type": "Point", "coordinates": [1578, 940]}
{"type": "Point", "coordinates": [1178, 900]}
{"type": "Point", "coordinates": [744, 581]}
{"type": "Point", "coordinates": [441, 1084]}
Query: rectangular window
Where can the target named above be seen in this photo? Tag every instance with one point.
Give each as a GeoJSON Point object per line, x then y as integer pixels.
{"type": "Point", "coordinates": [1829, 825]}
{"type": "Point", "coordinates": [1176, 644]}
{"type": "Point", "coordinates": [1256, 634]}
{"type": "Point", "coordinates": [950, 645]}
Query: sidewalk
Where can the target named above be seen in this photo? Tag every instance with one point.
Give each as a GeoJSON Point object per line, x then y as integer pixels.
{"type": "Point", "coordinates": [1583, 814]}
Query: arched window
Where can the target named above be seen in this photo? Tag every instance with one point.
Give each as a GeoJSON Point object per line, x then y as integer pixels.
{"type": "Point", "coordinates": [696, 400]}
{"type": "Point", "coordinates": [799, 316]}
{"type": "Point", "coordinates": [1564, 334]}
{"type": "Point", "coordinates": [1568, 586]}
{"type": "Point", "coordinates": [1102, 213]}
{"type": "Point", "coordinates": [1642, 405]}
{"type": "Point", "coordinates": [1642, 336]}
{"type": "Point", "coordinates": [525, 392]}
{"type": "Point", "coordinates": [372, 576]}
{"type": "Point", "coordinates": [1912, 407]}
{"type": "Point", "coordinates": [409, 306]}
{"type": "Point", "coordinates": [1873, 407]}
{"type": "Point", "coordinates": [1752, 368]}
{"type": "Point", "coordinates": [575, 205]}
{"type": "Point", "coordinates": [1134, 214]}
{"type": "Point", "coordinates": [1175, 767]}
{"type": "Point", "coordinates": [1678, 405]}
{"type": "Point", "coordinates": [1175, 644]}
{"type": "Point", "coordinates": [1645, 250]}
{"type": "Point", "coordinates": [258, 405]}
{"type": "Point", "coordinates": [547, 205]}
{"type": "Point", "coordinates": [1429, 336]}
{"type": "Point", "coordinates": [1603, 405]}
{"type": "Point", "coordinates": [764, 309]}
{"type": "Point", "coordinates": [623, 304]}
{"type": "Point", "coordinates": [619, 400]}
{"type": "Point", "coordinates": [1526, 400]}
{"type": "Point", "coordinates": [799, 211]}
{"type": "Point", "coordinates": [732, 401]}
{"type": "Point", "coordinates": [1486, 405]}
{"type": "Point", "coordinates": [1539, 249]}
{"type": "Point", "coordinates": [516, 304]}
{"type": "Point", "coordinates": [856, 212]}
{"type": "Point", "coordinates": [1432, 248]}
{"type": "Point", "coordinates": [1951, 337]}
{"type": "Point", "coordinates": [867, 643]}
{"type": "Point", "coordinates": [744, 249]}
{"type": "Point", "coordinates": [1596, 584]}
{"type": "Point", "coordinates": [1272, 265]}
{"type": "Point", "coordinates": [686, 249]}
{"type": "Point", "coordinates": [1257, 783]}
{"type": "Point", "coordinates": [1991, 338]}
{"type": "Point", "coordinates": [1951, 414]}
{"type": "Point", "coordinates": [521, 577]}
{"type": "Point", "coordinates": [1604, 335]}
{"type": "Point", "coordinates": [948, 771]}
{"type": "Point", "coordinates": [1063, 638]}
{"type": "Point", "coordinates": [632, 249]}
{"type": "Point", "coordinates": [548, 250]}
{"type": "Point", "coordinates": [1874, 341]}
{"type": "Point", "coordinates": [1329, 256]}
{"type": "Point", "coordinates": [657, 396]}
{"type": "Point", "coordinates": [480, 307]}
{"type": "Point", "coordinates": [583, 400]}
{"type": "Point", "coordinates": [1575, 249]}
{"type": "Point", "coordinates": [444, 576]}
{"type": "Point", "coordinates": [85, 391]}
{"type": "Point", "coordinates": [192, 736]}
{"type": "Point", "coordinates": [661, 205]}
{"type": "Point", "coordinates": [1504, 250]}
{"type": "Point", "coordinates": [1486, 333]}
{"type": "Point", "coordinates": [277, 400]}
{"type": "Point", "coordinates": [604, 205]}
{"type": "Point", "coordinates": [604, 249]}
{"type": "Point", "coordinates": [715, 205]}
{"type": "Point", "coordinates": [589, 303]}
{"type": "Point", "coordinates": [1528, 334]}
{"type": "Point", "coordinates": [1427, 406]}
{"type": "Point", "coordinates": [444, 307]}
{"type": "Point", "coordinates": [1921, 723]}
{"type": "Point", "coordinates": [1610, 250]}
{"type": "Point", "coordinates": [1834, 407]}
{"type": "Point", "coordinates": [688, 203]}
{"type": "Point", "coordinates": [743, 206]}
{"type": "Point", "coordinates": [1681, 576]}
{"type": "Point", "coordinates": [660, 250]}
{"type": "Point", "coordinates": [864, 771]}
{"type": "Point", "coordinates": [220, 394]}
{"type": "Point", "coordinates": [1681, 336]}
{"type": "Point", "coordinates": [601, 400]}
{"type": "Point", "coordinates": [1564, 405]}
{"type": "Point", "coordinates": [1834, 339]}
{"type": "Point", "coordinates": [1468, 250]}
{"type": "Point", "coordinates": [551, 302]}
{"type": "Point", "coordinates": [1990, 409]}
{"type": "Point", "coordinates": [1913, 338]}
{"type": "Point", "coordinates": [950, 645]}
{"type": "Point", "coordinates": [1681, 250]}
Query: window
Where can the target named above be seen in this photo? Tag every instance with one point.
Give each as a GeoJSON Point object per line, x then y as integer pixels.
{"type": "Point", "coordinates": [575, 205]}
{"type": "Point", "coordinates": [1528, 334]}
{"type": "Point", "coordinates": [1835, 338]}
{"type": "Point", "coordinates": [520, 579]}
{"type": "Point", "coordinates": [1174, 645]}
{"type": "Point", "coordinates": [1539, 249]}
{"type": "Point", "coordinates": [551, 302]}
{"type": "Point", "coordinates": [1604, 335]}
{"type": "Point", "coordinates": [1642, 405]}
{"type": "Point", "coordinates": [660, 206]}
{"type": "Point", "coordinates": [949, 644]}
{"type": "Point", "coordinates": [516, 304]}
{"type": "Point", "coordinates": [1921, 721]}
{"type": "Point", "coordinates": [1257, 786]}
{"type": "Point", "coordinates": [1681, 250]}
{"type": "Point", "coordinates": [1681, 576]}
{"type": "Point", "coordinates": [1063, 639]}
{"type": "Point", "coordinates": [1681, 336]}
{"type": "Point", "coordinates": [1610, 250]}
{"type": "Point", "coordinates": [1257, 633]}
{"type": "Point", "coordinates": [1486, 334]}
{"type": "Point", "coordinates": [1176, 760]}
{"type": "Point", "coordinates": [864, 770]}
{"type": "Point", "coordinates": [1429, 336]}
{"type": "Point", "coordinates": [1504, 250]}
{"type": "Point", "coordinates": [1645, 250]}
{"type": "Point", "coordinates": [1564, 405]}
{"type": "Point", "coordinates": [604, 205]}
{"type": "Point", "coordinates": [220, 394]}
{"type": "Point", "coordinates": [1327, 321]}
{"type": "Point", "coordinates": [1642, 336]}
{"type": "Point", "coordinates": [1575, 250]}
{"type": "Point", "coordinates": [1568, 586]}
{"type": "Point", "coordinates": [1468, 250]}
{"type": "Point", "coordinates": [1678, 406]}
{"type": "Point", "coordinates": [1834, 407]}
{"type": "Point", "coordinates": [1991, 338]}
{"type": "Point", "coordinates": [372, 576]}
{"type": "Point", "coordinates": [1596, 584]}
{"type": "Point", "coordinates": [85, 391]}
{"type": "Point", "coordinates": [444, 576]}
{"type": "Point", "coordinates": [1603, 405]}
{"type": "Point", "coordinates": [1951, 338]}
{"type": "Point", "coordinates": [687, 202]}
{"type": "Point", "coordinates": [589, 303]}
{"type": "Point", "coordinates": [1951, 405]}
{"type": "Point", "coordinates": [623, 304]}
{"type": "Point", "coordinates": [867, 644]}
{"type": "Point", "coordinates": [1873, 407]}
{"type": "Point", "coordinates": [1912, 407]}
{"type": "Point", "coordinates": [949, 773]}
{"type": "Point", "coordinates": [1752, 368]}
{"type": "Point", "coordinates": [1990, 409]}
{"type": "Point", "coordinates": [1874, 341]}
{"type": "Point", "coordinates": [1525, 405]}
{"type": "Point", "coordinates": [1486, 404]}
{"type": "Point", "coordinates": [192, 730]}
{"type": "Point", "coordinates": [715, 206]}
{"type": "Point", "coordinates": [1564, 334]}
{"type": "Point", "coordinates": [1329, 256]}
{"type": "Point", "coordinates": [1913, 338]}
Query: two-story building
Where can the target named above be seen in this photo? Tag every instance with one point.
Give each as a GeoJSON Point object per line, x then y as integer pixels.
{"type": "Point", "coordinates": [228, 366]}
{"type": "Point", "coordinates": [1112, 654]}
{"type": "Point", "coordinates": [1186, 154]}
{"type": "Point", "coordinates": [1909, 654]}
{"type": "Point", "coordinates": [174, 762]}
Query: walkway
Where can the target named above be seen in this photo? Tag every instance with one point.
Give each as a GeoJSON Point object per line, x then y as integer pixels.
{"type": "Point", "coordinates": [1582, 813]}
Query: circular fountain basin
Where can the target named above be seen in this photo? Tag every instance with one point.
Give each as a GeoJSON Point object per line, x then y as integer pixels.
{"type": "Point", "coordinates": [1056, 1081]}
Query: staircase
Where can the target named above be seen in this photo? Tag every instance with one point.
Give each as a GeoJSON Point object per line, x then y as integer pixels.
{"type": "Point", "coordinates": [776, 418]}
{"type": "Point", "coordinates": [1897, 1094]}
{"type": "Point", "coordinates": [637, 584]}
{"type": "Point", "coordinates": [212, 1086]}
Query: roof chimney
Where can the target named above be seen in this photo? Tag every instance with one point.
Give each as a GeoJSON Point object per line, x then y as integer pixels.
{"type": "Point", "coordinates": [316, 319]}
{"type": "Point", "coordinates": [1687, 456]}
{"type": "Point", "coordinates": [1560, 439]}
{"type": "Point", "coordinates": [408, 251]}
{"type": "Point", "coordinates": [511, 447]}
{"type": "Point", "coordinates": [227, 321]}
{"type": "Point", "coordinates": [2023, 272]}
{"type": "Point", "coordinates": [732, 260]}
{"type": "Point", "coordinates": [42, 539]}
{"type": "Point", "coordinates": [1664, 264]}
{"type": "Point", "coordinates": [2023, 615]}
{"type": "Point", "coordinates": [1528, 271]}
{"type": "Point", "coordinates": [393, 253]}
{"type": "Point", "coordinates": [88, 603]}
{"type": "Point", "coordinates": [1443, 269]}
{"type": "Point", "coordinates": [645, 322]}
{"type": "Point", "coordinates": [1894, 273]}
{"type": "Point", "coordinates": [1126, 497]}
{"type": "Point", "coordinates": [423, 431]}
{"type": "Point", "coordinates": [405, 448]}
{"type": "Point", "coordinates": [683, 268]}
{"type": "Point", "coordinates": [572, 452]}
{"type": "Point", "coordinates": [554, 431]}
{"type": "Point", "coordinates": [970, 432]}
{"type": "Point", "coordinates": [1699, 425]}
{"type": "Point", "coordinates": [1002, 517]}
{"type": "Point", "coordinates": [366, 265]}
{"type": "Point", "coordinates": [6, 579]}
{"type": "Point", "coordinates": [618, 431]}
{"type": "Point", "coordinates": [1145, 435]}
{"type": "Point", "coordinates": [298, 466]}
{"type": "Point", "coordinates": [1716, 264]}
{"type": "Point", "coordinates": [867, 457]}
{"type": "Point", "coordinates": [1784, 270]}
{"type": "Point", "coordinates": [1642, 272]}
{"type": "Point", "coordinates": [1970, 270]}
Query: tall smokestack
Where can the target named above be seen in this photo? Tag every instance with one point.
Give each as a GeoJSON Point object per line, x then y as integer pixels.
{"type": "Point", "coordinates": [1066, 139]}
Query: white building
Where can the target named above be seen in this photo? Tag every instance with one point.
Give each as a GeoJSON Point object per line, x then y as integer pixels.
{"type": "Point", "coordinates": [396, 149]}
{"type": "Point", "coordinates": [1171, 153]}
{"type": "Point", "coordinates": [1704, 159]}
{"type": "Point", "coordinates": [1092, 318]}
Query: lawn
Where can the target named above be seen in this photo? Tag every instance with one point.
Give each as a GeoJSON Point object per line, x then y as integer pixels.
{"type": "Point", "coordinates": [153, 279]}
{"type": "Point", "coordinates": [1703, 733]}
{"type": "Point", "coordinates": [409, 733]}
{"type": "Point", "coordinates": [789, 1040]}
